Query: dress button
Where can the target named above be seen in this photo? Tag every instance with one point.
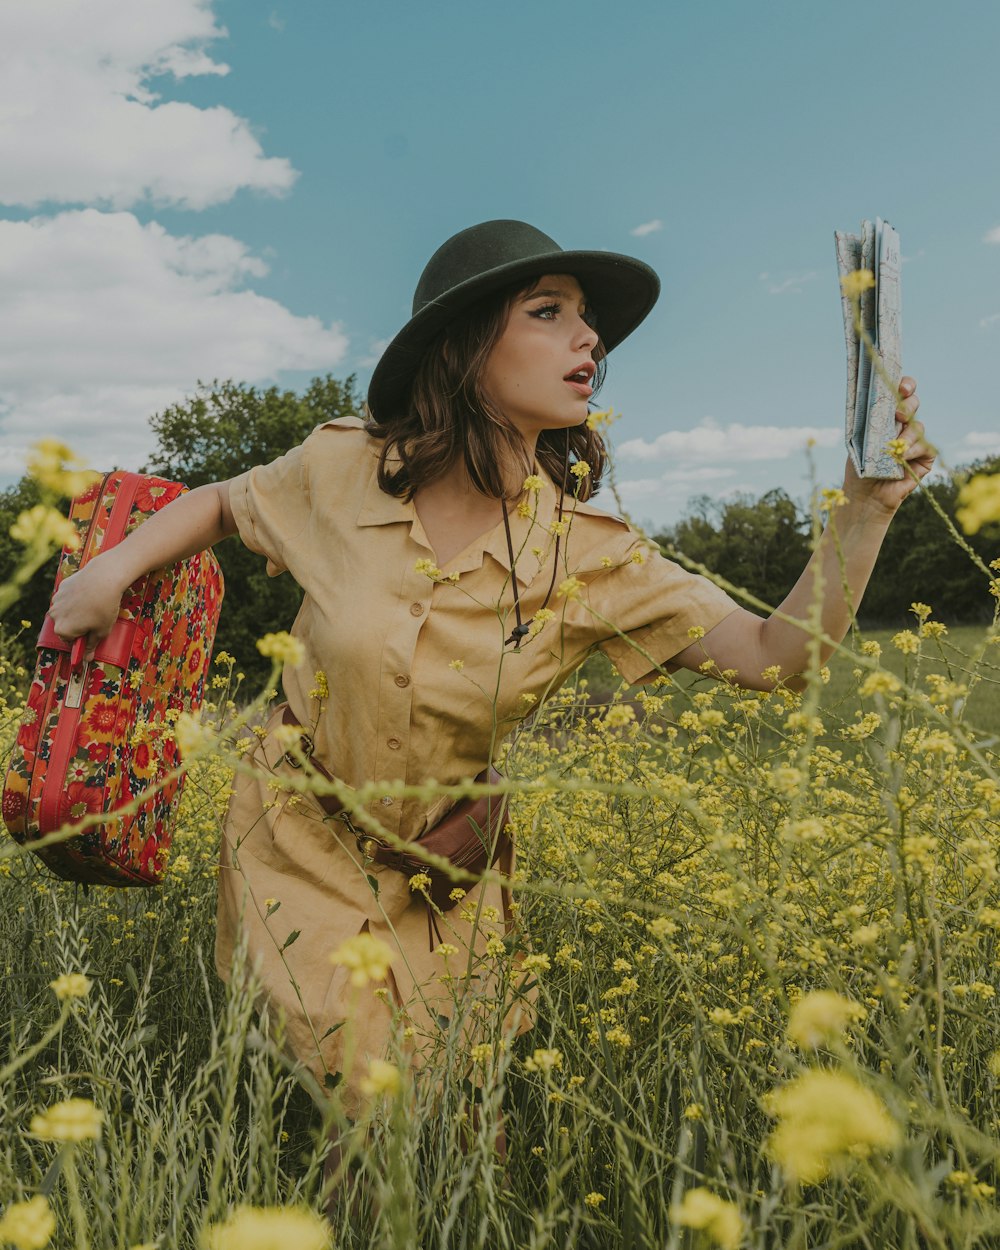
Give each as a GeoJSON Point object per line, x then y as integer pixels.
{"type": "Point", "coordinates": [394, 744]}
{"type": "Point", "coordinates": [402, 680]}
{"type": "Point", "coordinates": [416, 609]}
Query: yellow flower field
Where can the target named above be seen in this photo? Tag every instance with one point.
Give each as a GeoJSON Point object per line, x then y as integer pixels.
{"type": "Point", "coordinates": [764, 932]}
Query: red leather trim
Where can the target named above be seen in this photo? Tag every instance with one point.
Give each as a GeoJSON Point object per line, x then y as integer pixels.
{"type": "Point", "coordinates": [116, 648]}
{"type": "Point", "coordinates": [63, 744]}
{"type": "Point", "coordinates": [68, 719]}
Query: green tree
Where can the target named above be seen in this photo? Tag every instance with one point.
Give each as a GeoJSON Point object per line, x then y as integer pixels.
{"type": "Point", "coordinates": [19, 644]}
{"type": "Point", "coordinates": [760, 545]}
{"type": "Point", "coordinates": [920, 561]}
{"type": "Point", "coordinates": [220, 432]}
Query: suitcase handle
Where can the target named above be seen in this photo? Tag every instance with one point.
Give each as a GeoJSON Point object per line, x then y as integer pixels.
{"type": "Point", "coordinates": [116, 648]}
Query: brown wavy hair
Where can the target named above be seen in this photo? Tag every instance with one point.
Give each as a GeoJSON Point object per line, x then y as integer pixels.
{"type": "Point", "coordinates": [449, 415]}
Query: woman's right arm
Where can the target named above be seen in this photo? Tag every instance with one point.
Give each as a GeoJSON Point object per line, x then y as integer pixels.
{"type": "Point", "coordinates": [88, 601]}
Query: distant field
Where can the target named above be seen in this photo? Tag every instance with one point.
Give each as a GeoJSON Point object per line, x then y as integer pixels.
{"type": "Point", "coordinates": [949, 655]}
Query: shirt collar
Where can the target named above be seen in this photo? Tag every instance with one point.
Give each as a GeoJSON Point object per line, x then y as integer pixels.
{"type": "Point", "coordinates": [527, 533]}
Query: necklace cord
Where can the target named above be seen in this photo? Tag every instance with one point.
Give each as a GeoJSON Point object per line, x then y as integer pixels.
{"type": "Point", "coordinates": [520, 630]}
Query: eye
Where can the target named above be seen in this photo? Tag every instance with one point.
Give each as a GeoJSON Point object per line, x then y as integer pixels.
{"type": "Point", "coordinates": [546, 308]}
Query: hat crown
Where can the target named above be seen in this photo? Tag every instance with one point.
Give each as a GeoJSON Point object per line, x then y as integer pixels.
{"type": "Point", "coordinates": [477, 250]}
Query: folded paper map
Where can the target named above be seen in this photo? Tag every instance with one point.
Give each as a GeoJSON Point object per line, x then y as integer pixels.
{"type": "Point", "coordinates": [871, 403]}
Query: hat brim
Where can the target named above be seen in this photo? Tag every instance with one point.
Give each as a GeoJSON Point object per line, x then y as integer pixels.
{"type": "Point", "coordinates": [621, 289]}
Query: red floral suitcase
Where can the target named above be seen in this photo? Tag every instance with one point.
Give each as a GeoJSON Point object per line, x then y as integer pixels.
{"type": "Point", "coordinates": [95, 735]}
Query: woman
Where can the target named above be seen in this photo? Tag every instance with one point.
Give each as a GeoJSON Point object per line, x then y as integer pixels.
{"type": "Point", "coordinates": [454, 574]}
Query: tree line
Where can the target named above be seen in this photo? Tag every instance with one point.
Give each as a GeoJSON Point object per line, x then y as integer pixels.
{"type": "Point", "coordinates": [758, 544]}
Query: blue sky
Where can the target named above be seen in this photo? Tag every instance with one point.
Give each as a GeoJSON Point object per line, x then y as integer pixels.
{"type": "Point", "coordinates": [236, 189]}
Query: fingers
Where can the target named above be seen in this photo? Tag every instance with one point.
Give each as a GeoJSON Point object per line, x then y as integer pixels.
{"type": "Point", "coordinates": [909, 401]}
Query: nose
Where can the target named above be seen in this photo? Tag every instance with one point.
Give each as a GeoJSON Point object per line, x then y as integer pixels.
{"type": "Point", "coordinates": [586, 336]}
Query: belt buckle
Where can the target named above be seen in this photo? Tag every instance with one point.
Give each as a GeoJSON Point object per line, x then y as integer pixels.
{"type": "Point", "coordinates": [368, 844]}
{"type": "Point", "coordinates": [306, 746]}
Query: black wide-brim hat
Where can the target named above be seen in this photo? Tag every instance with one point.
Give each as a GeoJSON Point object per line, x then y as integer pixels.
{"type": "Point", "coordinates": [482, 259]}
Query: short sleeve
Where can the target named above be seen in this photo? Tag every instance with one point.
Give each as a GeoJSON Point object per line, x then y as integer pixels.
{"type": "Point", "coordinates": [653, 602]}
{"type": "Point", "coordinates": [270, 505]}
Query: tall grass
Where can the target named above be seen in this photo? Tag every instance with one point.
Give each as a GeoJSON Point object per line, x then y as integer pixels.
{"type": "Point", "coordinates": [688, 873]}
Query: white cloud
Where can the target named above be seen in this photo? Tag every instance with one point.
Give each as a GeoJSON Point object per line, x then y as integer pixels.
{"type": "Point", "coordinates": [988, 321]}
{"type": "Point", "coordinates": [374, 354]}
{"type": "Point", "coordinates": [734, 443]}
{"type": "Point", "coordinates": [646, 488]}
{"type": "Point", "coordinates": [81, 124]}
{"type": "Point", "coordinates": [992, 236]}
{"type": "Point", "coordinates": [982, 442]}
{"type": "Point", "coordinates": [104, 320]}
{"type": "Point", "coordinates": [647, 227]}
{"type": "Point", "coordinates": [792, 285]}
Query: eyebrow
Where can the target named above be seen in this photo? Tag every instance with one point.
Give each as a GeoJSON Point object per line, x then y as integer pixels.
{"type": "Point", "coordinates": [552, 293]}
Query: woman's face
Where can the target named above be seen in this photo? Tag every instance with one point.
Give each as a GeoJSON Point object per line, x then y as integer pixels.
{"type": "Point", "coordinates": [548, 338]}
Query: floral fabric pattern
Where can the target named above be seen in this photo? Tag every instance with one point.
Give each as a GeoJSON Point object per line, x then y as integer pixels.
{"type": "Point", "coordinates": [111, 742]}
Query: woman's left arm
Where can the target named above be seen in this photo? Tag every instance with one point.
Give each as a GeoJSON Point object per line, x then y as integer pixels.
{"type": "Point", "coordinates": [751, 645]}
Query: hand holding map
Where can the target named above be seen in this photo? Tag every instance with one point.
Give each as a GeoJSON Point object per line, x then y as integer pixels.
{"type": "Point", "coordinates": [871, 403]}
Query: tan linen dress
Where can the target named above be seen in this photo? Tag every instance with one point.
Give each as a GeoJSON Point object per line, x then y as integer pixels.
{"type": "Point", "coordinates": [386, 634]}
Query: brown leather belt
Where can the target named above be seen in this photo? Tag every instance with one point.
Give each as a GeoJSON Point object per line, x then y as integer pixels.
{"type": "Point", "coordinates": [371, 847]}
{"type": "Point", "coordinates": [473, 836]}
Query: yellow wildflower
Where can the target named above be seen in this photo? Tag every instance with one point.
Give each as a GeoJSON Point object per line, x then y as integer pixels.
{"type": "Point", "coordinates": [269, 1228]}
{"type": "Point", "coordinates": [45, 526]}
{"type": "Point", "coordinates": [321, 690]}
{"type": "Point", "coordinates": [532, 483]}
{"type": "Point", "coordinates": [419, 881]}
{"type": "Point", "coordinates": [544, 1061]}
{"type": "Point", "coordinates": [536, 963]}
{"type": "Point", "coordinates": [906, 641]}
{"type": "Point", "coordinates": [193, 738]}
{"type": "Point", "coordinates": [595, 420]}
{"type": "Point", "coordinates": [581, 469]}
{"type": "Point", "coordinates": [367, 957]}
{"type": "Point", "coordinates": [382, 1078]}
{"type": "Point", "coordinates": [594, 1199]}
{"type": "Point", "coordinates": [978, 502]}
{"type": "Point", "coordinates": [47, 465]}
{"type": "Point", "coordinates": [70, 985]}
{"type": "Point", "coordinates": [283, 647]}
{"type": "Point", "coordinates": [28, 1225]}
{"type": "Point", "coordinates": [879, 682]}
{"type": "Point", "coordinates": [721, 1220]}
{"type": "Point", "coordinates": [827, 1120]}
{"type": "Point", "coordinates": [833, 498]}
{"type": "Point", "coordinates": [570, 588]}
{"type": "Point", "coordinates": [429, 569]}
{"type": "Point", "coordinates": [821, 1016]}
{"type": "Point", "coordinates": [75, 1119]}
{"type": "Point", "coordinates": [854, 284]}
{"type": "Point", "coordinates": [537, 623]}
